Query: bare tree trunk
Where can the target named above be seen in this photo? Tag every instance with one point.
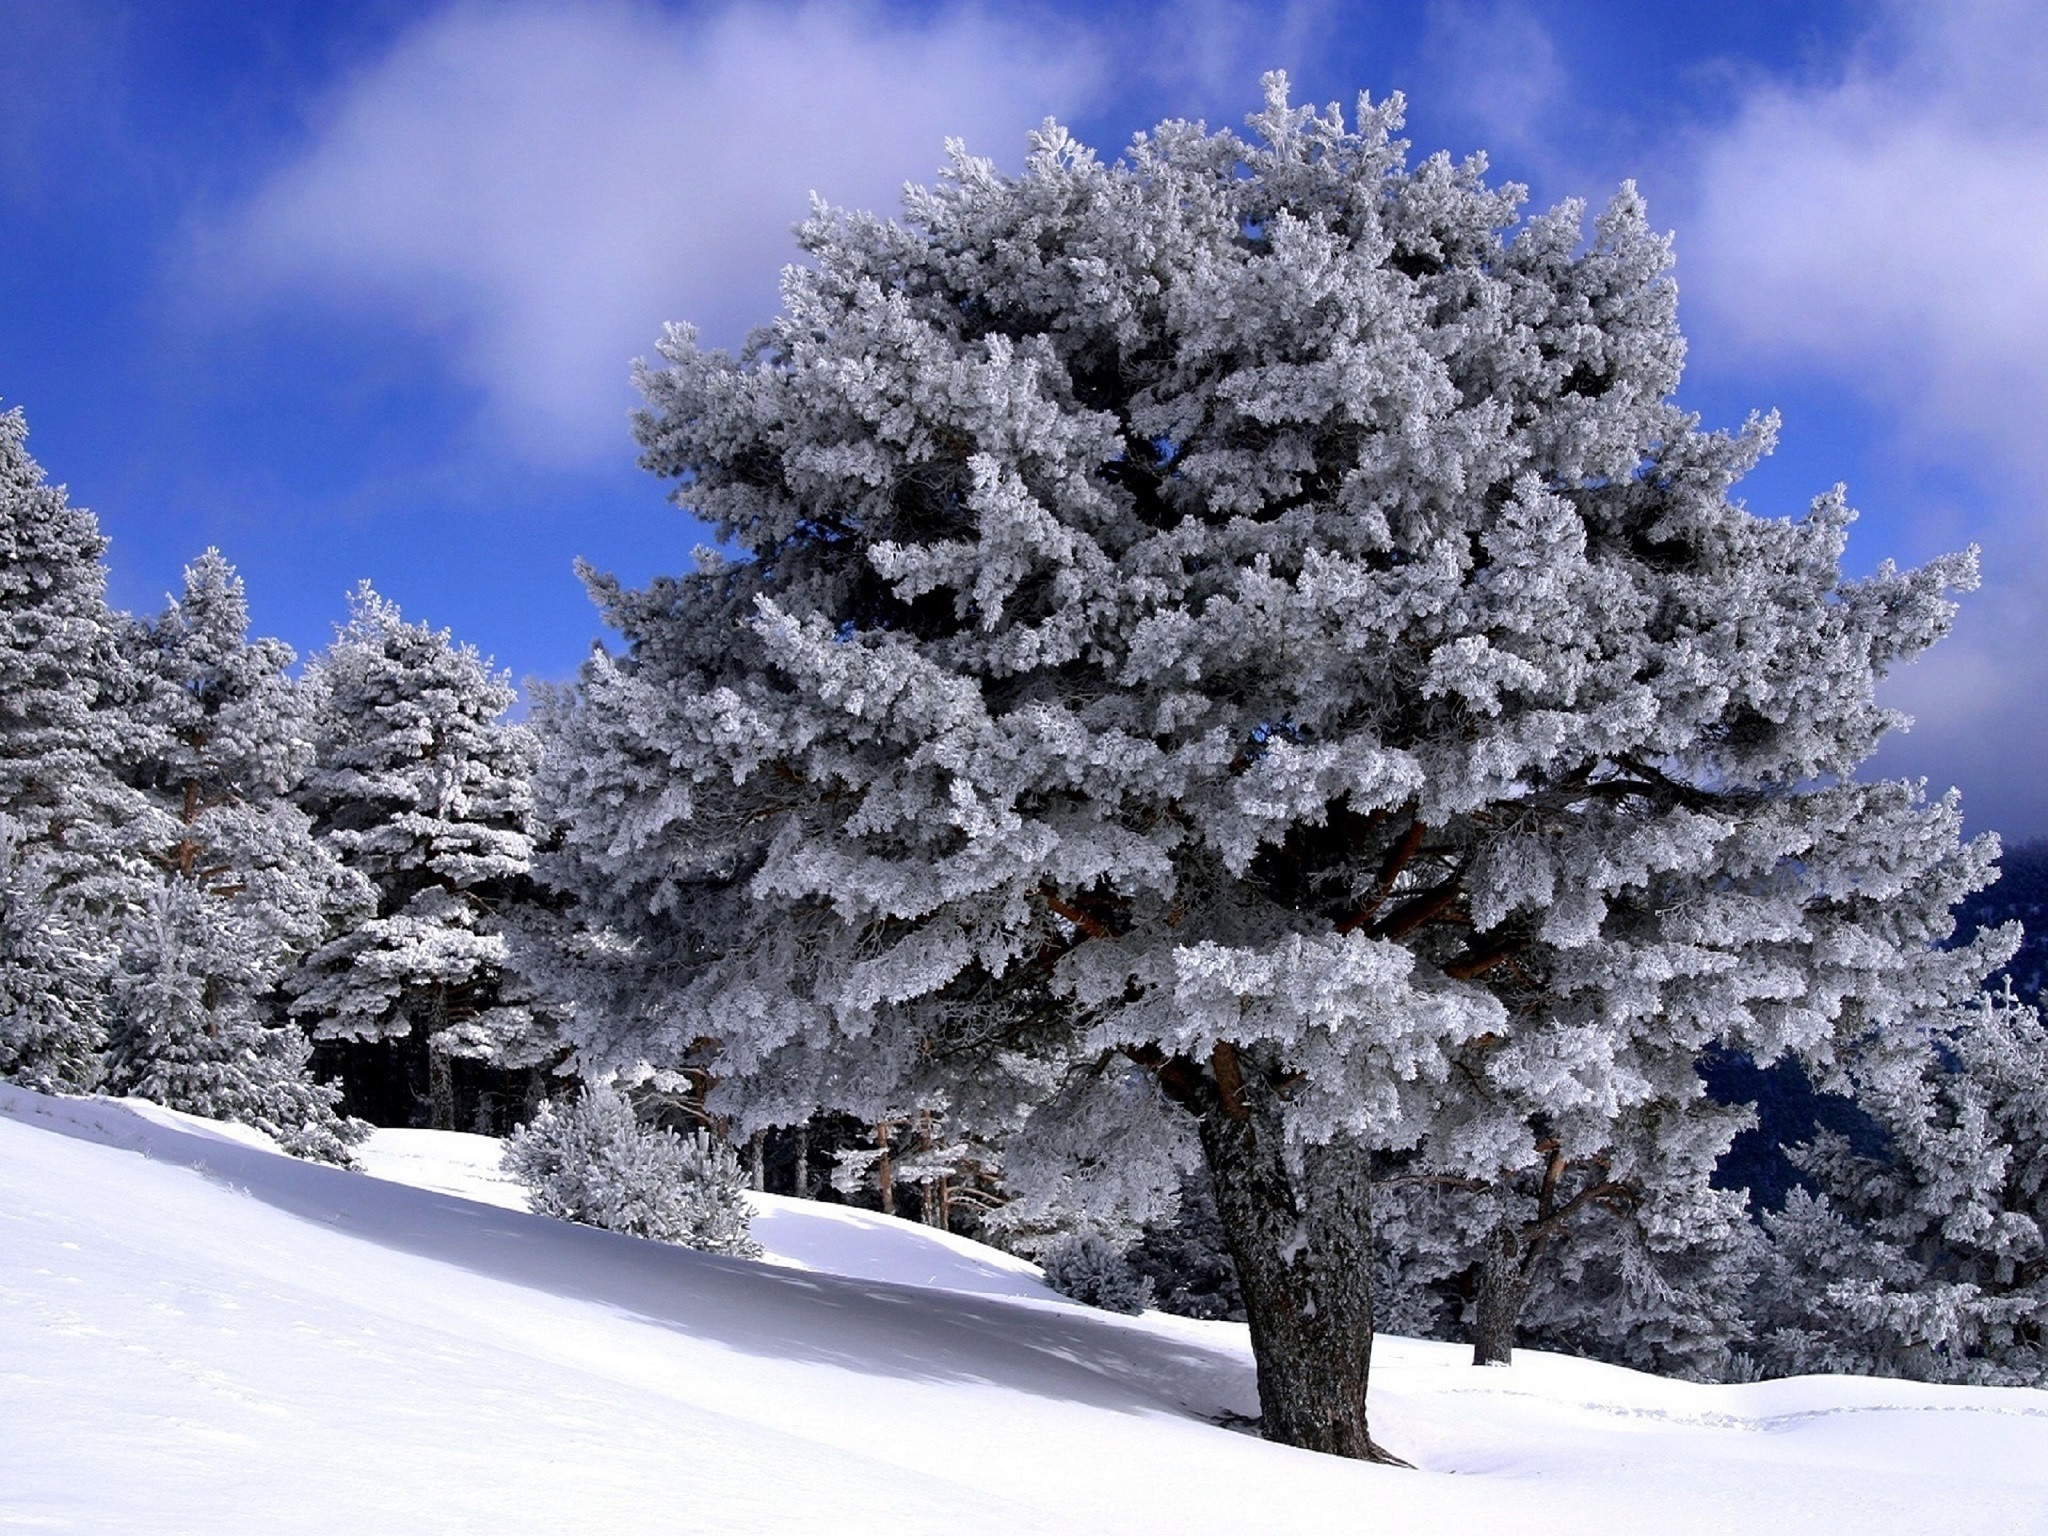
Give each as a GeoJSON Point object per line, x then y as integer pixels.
{"type": "Point", "coordinates": [931, 1204]}
{"type": "Point", "coordinates": [757, 1168]}
{"type": "Point", "coordinates": [1298, 1223]}
{"type": "Point", "coordinates": [1497, 1310]}
{"type": "Point", "coordinates": [440, 1071]}
{"type": "Point", "coordinates": [803, 1162]}
{"type": "Point", "coordinates": [441, 1087]}
{"type": "Point", "coordinates": [1514, 1252]}
{"type": "Point", "coordinates": [885, 1175]}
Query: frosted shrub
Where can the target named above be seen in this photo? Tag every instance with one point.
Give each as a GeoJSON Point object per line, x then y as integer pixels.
{"type": "Point", "coordinates": [591, 1161]}
{"type": "Point", "coordinates": [1087, 1269]}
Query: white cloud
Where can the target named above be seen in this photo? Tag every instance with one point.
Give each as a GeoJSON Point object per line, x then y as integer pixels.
{"type": "Point", "coordinates": [1498, 71]}
{"type": "Point", "coordinates": [547, 184]}
{"type": "Point", "coordinates": [1892, 227]}
{"type": "Point", "coordinates": [1887, 230]}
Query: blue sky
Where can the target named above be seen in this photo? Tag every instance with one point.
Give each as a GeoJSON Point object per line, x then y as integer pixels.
{"type": "Point", "coordinates": [351, 290]}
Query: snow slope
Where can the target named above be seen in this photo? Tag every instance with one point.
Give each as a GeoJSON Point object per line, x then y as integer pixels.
{"type": "Point", "coordinates": [797, 1234]}
{"type": "Point", "coordinates": [199, 1335]}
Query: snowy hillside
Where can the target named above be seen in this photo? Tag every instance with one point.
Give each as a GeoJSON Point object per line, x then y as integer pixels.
{"type": "Point", "coordinates": [199, 1335]}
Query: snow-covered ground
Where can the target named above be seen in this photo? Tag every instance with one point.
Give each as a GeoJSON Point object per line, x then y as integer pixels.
{"type": "Point", "coordinates": [199, 1335]}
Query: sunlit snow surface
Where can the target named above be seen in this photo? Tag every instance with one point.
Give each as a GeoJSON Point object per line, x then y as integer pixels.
{"type": "Point", "coordinates": [198, 1335]}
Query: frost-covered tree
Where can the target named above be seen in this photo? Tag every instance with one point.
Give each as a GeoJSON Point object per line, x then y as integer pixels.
{"type": "Point", "coordinates": [1089, 1269]}
{"type": "Point", "coordinates": [1237, 658]}
{"type": "Point", "coordinates": [420, 786]}
{"type": "Point", "coordinates": [1929, 1258]}
{"type": "Point", "coordinates": [2020, 895]}
{"type": "Point", "coordinates": [916, 1150]}
{"type": "Point", "coordinates": [1185, 1257]}
{"type": "Point", "coordinates": [80, 833]}
{"type": "Point", "coordinates": [231, 737]}
{"type": "Point", "coordinates": [246, 890]}
{"type": "Point", "coordinates": [1627, 1254]}
{"type": "Point", "coordinates": [190, 1031]}
{"type": "Point", "coordinates": [53, 976]}
{"type": "Point", "coordinates": [590, 1160]}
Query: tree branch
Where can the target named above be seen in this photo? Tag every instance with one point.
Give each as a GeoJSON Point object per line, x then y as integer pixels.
{"type": "Point", "coordinates": [1398, 858]}
{"type": "Point", "coordinates": [1477, 962]}
{"type": "Point", "coordinates": [1180, 1077]}
{"type": "Point", "coordinates": [1086, 921]}
{"type": "Point", "coordinates": [1229, 1079]}
{"type": "Point", "coordinates": [1408, 917]}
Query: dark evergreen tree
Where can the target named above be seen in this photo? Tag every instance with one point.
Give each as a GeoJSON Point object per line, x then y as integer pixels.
{"type": "Point", "coordinates": [1187, 1259]}
{"type": "Point", "coordinates": [53, 976]}
{"type": "Point", "coordinates": [420, 787]}
{"type": "Point", "coordinates": [79, 836]}
{"type": "Point", "coordinates": [245, 890]}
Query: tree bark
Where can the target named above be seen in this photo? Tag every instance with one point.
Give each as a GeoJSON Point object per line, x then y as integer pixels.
{"type": "Point", "coordinates": [440, 1071]}
{"type": "Point", "coordinates": [757, 1160]}
{"type": "Point", "coordinates": [441, 1088]}
{"type": "Point", "coordinates": [1497, 1309]}
{"type": "Point", "coordinates": [885, 1175]}
{"type": "Point", "coordinates": [1298, 1223]}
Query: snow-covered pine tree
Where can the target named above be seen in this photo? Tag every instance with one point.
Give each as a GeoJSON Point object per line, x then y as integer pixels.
{"type": "Point", "coordinates": [53, 976]}
{"type": "Point", "coordinates": [80, 833]}
{"type": "Point", "coordinates": [1629, 1254]}
{"type": "Point", "coordinates": [199, 1020]}
{"type": "Point", "coordinates": [1929, 1259]}
{"type": "Point", "coordinates": [1228, 645]}
{"type": "Point", "coordinates": [590, 1160]}
{"type": "Point", "coordinates": [1094, 1271]}
{"type": "Point", "coordinates": [190, 1031]}
{"type": "Point", "coordinates": [420, 786]}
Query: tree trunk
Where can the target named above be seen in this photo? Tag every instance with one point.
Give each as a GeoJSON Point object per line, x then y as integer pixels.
{"type": "Point", "coordinates": [802, 1175]}
{"type": "Point", "coordinates": [440, 1071]}
{"type": "Point", "coordinates": [884, 1174]}
{"type": "Point", "coordinates": [441, 1088]}
{"type": "Point", "coordinates": [931, 1204]}
{"type": "Point", "coordinates": [1298, 1223]}
{"type": "Point", "coordinates": [1497, 1310]}
{"type": "Point", "coordinates": [757, 1160]}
